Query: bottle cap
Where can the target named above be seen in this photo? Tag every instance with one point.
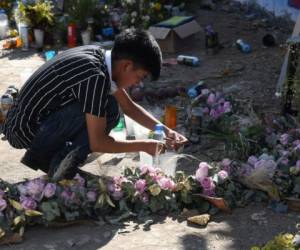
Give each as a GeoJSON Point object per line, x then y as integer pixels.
{"type": "Point", "coordinates": [159, 127]}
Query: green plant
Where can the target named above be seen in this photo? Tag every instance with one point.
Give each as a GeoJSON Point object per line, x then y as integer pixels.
{"type": "Point", "coordinates": [81, 10]}
{"type": "Point", "coordinates": [39, 15]}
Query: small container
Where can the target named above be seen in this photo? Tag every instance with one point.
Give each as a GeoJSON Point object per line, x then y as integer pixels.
{"type": "Point", "coordinates": [50, 54]}
{"type": "Point", "coordinates": [243, 46]}
{"type": "Point", "coordinates": [6, 102]}
{"type": "Point", "coordinates": [188, 60]}
{"type": "Point", "coordinates": [195, 90]}
{"type": "Point", "coordinates": [170, 117]}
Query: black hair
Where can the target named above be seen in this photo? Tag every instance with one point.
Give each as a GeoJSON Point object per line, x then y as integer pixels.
{"type": "Point", "coordinates": [140, 47]}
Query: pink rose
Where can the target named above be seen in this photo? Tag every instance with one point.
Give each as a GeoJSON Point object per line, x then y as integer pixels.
{"type": "Point", "coordinates": [28, 203]}
{"type": "Point", "coordinates": [222, 175]}
{"type": "Point", "coordinates": [91, 196]}
{"type": "Point", "coordinates": [140, 186]}
{"type": "Point", "coordinates": [49, 190]}
{"type": "Point", "coordinates": [166, 183]}
{"type": "Point", "coordinates": [202, 171]}
{"type": "Point", "coordinates": [3, 204]}
{"type": "Point", "coordinates": [79, 179]}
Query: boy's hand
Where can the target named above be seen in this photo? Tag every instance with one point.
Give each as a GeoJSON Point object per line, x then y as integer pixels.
{"type": "Point", "coordinates": [175, 140]}
{"type": "Point", "coordinates": [154, 147]}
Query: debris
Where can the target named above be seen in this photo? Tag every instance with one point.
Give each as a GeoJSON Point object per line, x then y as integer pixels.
{"type": "Point", "coordinates": [219, 203]}
{"type": "Point", "coordinates": [201, 220]}
{"type": "Point", "coordinates": [259, 218]}
{"type": "Point", "coordinates": [293, 204]}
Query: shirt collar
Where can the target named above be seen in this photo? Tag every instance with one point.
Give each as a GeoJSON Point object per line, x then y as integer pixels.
{"type": "Point", "coordinates": [113, 84]}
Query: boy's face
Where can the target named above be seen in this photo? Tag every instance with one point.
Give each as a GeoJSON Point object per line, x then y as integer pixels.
{"type": "Point", "coordinates": [126, 74]}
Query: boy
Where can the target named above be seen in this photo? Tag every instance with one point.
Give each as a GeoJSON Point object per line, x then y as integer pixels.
{"type": "Point", "coordinates": [67, 108]}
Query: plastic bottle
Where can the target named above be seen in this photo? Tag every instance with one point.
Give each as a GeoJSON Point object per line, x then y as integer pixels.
{"type": "Point", "coordinates": [158, 135]}
{"type": "Point", "coordinates": [188, 60]}
{"type": "Point", "coordinates": [119, 133]}
{"type": "Point", "coordinates": [195, 90]}
{"type": "Point", "coordinates": [243, 46]}
{"type": "Point", "coordinates": [3, 24]}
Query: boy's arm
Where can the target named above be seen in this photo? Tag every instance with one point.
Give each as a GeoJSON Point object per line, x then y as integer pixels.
{"type": "Point", "coordinates": [100, 142]}
{"type": "Point", "coordinates": [143, 117]}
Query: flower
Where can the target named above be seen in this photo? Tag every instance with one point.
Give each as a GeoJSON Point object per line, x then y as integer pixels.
{"type": "Point", "coordinates": [49, 190]}
{"type": "Point", "coordinates": [117, 194]}
{"type": "Point", "coordinates": [35, 188]}
{"type": "Point", "coordinates": [214, 114]}
{"type": "Point", "coordinates": [140, 186]}
{"type": "Point", "coordinates": [28, 203]}
{"type": "Point", "coordinates": [68, 195]}
{"type": "Point", "coordinates": [298, 164]}
{"type": "Point", "coordinates": [227, 107]}
{"type": "Point", "coordinates": [284, 139]}
{"type": "Point", "coordinates": [3, 204]}
{"type": "Point", "coordinates": [202, 171]}
{"type": "Point", "coordinates": [226, 162]}
{"type": "Point", "coordinates": [252, 160]}
{"type": "Point", "coordinates": [22, 189]}
{"type": "Point", "coordinates": [155, 189]}
{"type": "Point", "coordinates": [166, 183]}
{"type": "Point", "coordinates": [91, 196]}
{"type": "Point", "coordinates": [211, 99]}
{"type": "Point", "coordinates": [222, 175]}
{"type": "Point", "coordinates": [208, 186]}
{"type": "Point", "coordinates": [206, 110]}
{"type": "Point", "coordinates": [79, 179]}
{"type": "Point", "coordinates": [285, 161]}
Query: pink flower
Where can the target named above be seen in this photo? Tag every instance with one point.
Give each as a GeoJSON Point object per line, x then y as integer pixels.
{"type": "Point", "coordinates": [147, 169]}
{"type": "Point", "coordinates": [166, 183]}
{"type": "Point", "coordinates": [49, 190]}
{"type": "Point", "coordinates": [284, 139]}
{"type": "Point", "coordinates": [140, 186]}
{"type": "Point", "coordinates": [91, 196]}
{"type": "Point", "coordinates": [117, 194]}
{"type": "Point", "coordinates": [226, 162]}
{"type": "Point", "coordinates": [252, 160]}
{"type": "Point", "coordinates": [227, 107]}
{"type": "Point", "coordinates": [79, 179]}
{"type": "Point", "coordinates": [208, 186]}
{"type": "Point", "coordinates": [222, 175]}
{"type": "Point", "coordinates": [211, 99]}
{"type": "Point", "coordinates": [28, 203]}
{"type": "Point", "coordinates": [202, 171]}
{"type": "Point", "coordinates": [3, 204]}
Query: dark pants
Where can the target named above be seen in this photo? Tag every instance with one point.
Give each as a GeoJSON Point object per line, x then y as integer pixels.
{"type": "Point", "coordinates": [63, 133]}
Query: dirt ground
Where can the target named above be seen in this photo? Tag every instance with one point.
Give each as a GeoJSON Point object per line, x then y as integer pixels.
{"type": "Point", "coordinates": [255, 81]}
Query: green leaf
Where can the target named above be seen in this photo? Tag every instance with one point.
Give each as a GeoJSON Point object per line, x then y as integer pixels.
{"type": "Point", "coordinates": [50, 210]}
{"type": "Point", "coordinates": [32, 213]}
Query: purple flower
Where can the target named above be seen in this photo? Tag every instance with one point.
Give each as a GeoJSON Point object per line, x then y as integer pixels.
{"type": "Point", "coordinates": [222, 175]}
{"type": "Point", "coordinates": [226, 162]}
{"type": "Point", "coordinates": [117, 194]}
{"type": "Point", "coordinates": [208, 186]}
{"type": "Point", "coordinates": [28, 203]}
{"type": "Point", "coordinates": [252, 160]}
{"type": "Point", "coordinates": [79, 179]}
{"type": "Point", "coordinates": [298, 164]}
{"type": "Point", "coordinates": [268, 165]}
{"type": "Point", "coordinates": [206, 110]}
{"type": "Point", "coordinates": [35, 188]}
{"type": "Point", "coordinates": [227, 107]}
{"type": "Point", "coordinates": [140, 186]}
{"type": "Point", "coordinates": [211, 99]}
{"type": "Point", "coordinates": [285, 161]}
{"type": "Point", "coordinates": [284, 139]}
{"type": "Point", "coordinates": [246, 169]}
{"type": "Point", "coordinates": [111, 187]}
{"type": "Point", "coordinates": [91, 196]}
{"type": "Point", "coordinates": [3, 204]}
{"type": "Point", "coordinates": [214, 114]}
{"type": "Point", "coordinates": [22, 189]}
{"type": "Point", "coordinates": [145, 198]}
{"type": "Point", "coordinates": [68, 196]}
{"type": "Point", "coordinates": [296, 142]}
{"type": "Point", "coordinates": [221, 101]}
{"type": "Point", "coordinates": [49, 190]}
{"type": "Point", "coordinates": [220, 110]}
{"type": "Point", "coordinates": [166, 183]}
{"type": "Point", "coordinates": [202, 171]}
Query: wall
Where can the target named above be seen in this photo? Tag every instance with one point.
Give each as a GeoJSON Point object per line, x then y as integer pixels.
{"type": "Point", "coordinates": [279, 7]}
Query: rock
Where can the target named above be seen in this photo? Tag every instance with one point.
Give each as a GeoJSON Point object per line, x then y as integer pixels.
{"type": "Point", "coordinates": [201, 220]}
{"type": "Point", "coordinates": [50, 246]}
{"type": "Point", "coordinates": [84, 240]}
{"type": "Point", "coordinates": [70, 242]}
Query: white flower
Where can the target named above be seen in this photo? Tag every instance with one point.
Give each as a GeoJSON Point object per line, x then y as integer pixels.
{"type": "Point", "coordinates": [134, 14]}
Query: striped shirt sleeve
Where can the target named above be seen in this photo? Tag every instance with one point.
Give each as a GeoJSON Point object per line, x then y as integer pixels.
{"type": "Point", "coordinates": [92, 95]}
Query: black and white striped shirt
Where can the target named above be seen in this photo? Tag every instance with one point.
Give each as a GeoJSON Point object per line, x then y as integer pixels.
{"type": "Point", "coordinates": [78, 74]}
